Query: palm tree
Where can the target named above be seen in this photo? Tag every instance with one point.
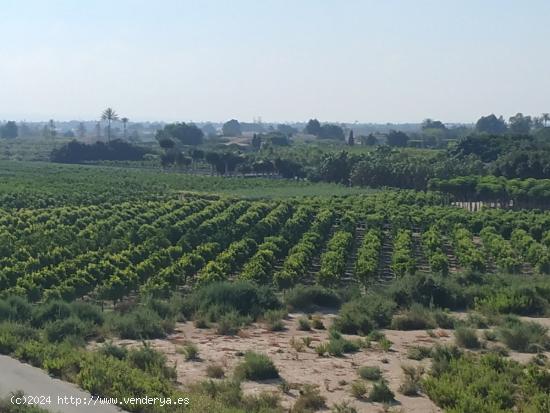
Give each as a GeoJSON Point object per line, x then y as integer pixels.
{"type": "Point", "coordinates": [124, 123]}
{"type": "Point", "coordinates": [109, 115]}
{"type": "Point", "coordinates": [545, 118]}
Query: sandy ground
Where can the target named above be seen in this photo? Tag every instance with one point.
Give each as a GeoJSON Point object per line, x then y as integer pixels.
{"type": "Point", "coordinates": [332, 375]}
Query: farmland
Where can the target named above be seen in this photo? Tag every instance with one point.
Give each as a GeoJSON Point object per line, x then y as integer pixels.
{"type": "Point", "coordinates": [95, 261]}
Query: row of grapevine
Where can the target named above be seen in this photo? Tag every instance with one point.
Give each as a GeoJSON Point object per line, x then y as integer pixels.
{"type": "Point", "coordinates": [211, 267]}
{"type": "Point", "coordinates": [403, 261]}
{"type": "Point", "coordinates": [468, 254]}
{"type": "Point", "coordinates": [122, 265]}
{"type": "Point", "coordinates": [500, 249]}
{"type": "Point", "coordinates": [432, 243]}
{"type": "Point", "coordinates": [368, 255]}
{"type": "Point", "coordinates": [334, 259]}
{"type": "Point", "coordinates": [536, 253]}
{"type": "Point", "coordinates": [300, 256]}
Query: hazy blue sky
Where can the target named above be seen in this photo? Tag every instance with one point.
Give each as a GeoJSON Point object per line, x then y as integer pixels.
{"type": "Point", "coordinates": [371, 61]}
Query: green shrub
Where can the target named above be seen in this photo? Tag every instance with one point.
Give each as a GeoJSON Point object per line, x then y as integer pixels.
{"type": "Point", "coordinates": [308, 298]}
{"type": "Point", "coordinates": [256, 367]}
{"type": "Point", "coordinates": [343, 407]}
{"type": "Point", "coordinates": [442, 356]}
{"type": "Point", "coordinates": [72, 327]}
{"type": "Point", "coordinates": [526, 337]}
{"type": "Point", "coordinates": [467, 337]}
{"type": "Point", "coordinates": [362, 315]}
{"type": "Point", "coordinates": [321, 349]}
{"type": "Point", "coordinates": [151, 361]}
{"type": "Point", "coordinates": [229, 324]}
{"type": "Point", "coordinates": [418, 352]}
{"type": "Point", "coordinates": [411, 384]}
{"type": "Point", "coordinates": [200, 321]}
{"type": "Point", "coordinates": [245, 298]}
{"type": "Point", "coordinates": [476, 320]}
{"type": "Point", "coordinates": [15, 308]}
{"type": "Point", "coordinates": [303, 324]}
{"type": "Point", "coordinates": [444, 319]}
{"type": "Point", "coordinates": [381, 393]}
{"type": "Point", "coordinates": [317, 323]}
{"type": "Point", "coordinates": [338, 345]}
{"type": "Point", "coordinates": [190, 351]}
{"type": "Point", "coordinates": [264, 402]}
{"type": "Point", "coordinates": [358, 389]}
{"type": "Point", "coordinates": [274, 320]}
{"type": "Point", "coordinates": [13, 335]}
{"type": "Point", "coordinates": [385, 344]}
{"type": "Point", "coordinates": [87, 312]}
{"type": "Point", "coordinates": [141, 323]}
{"type": "Point", "coordinates": [50, 311]}
{"type": "Point", "coordinates": [489, 383]}
{"type": "Point", "coordinates": [416, 318]}
{"type": "Point", "coordinates": [310, 400]}
{"type": "Point", "coordinates": [109, 349]}
{"type": "Point", "coordinates": [369, 373]}
{"type": "Point", "coordinates": [215, 371]}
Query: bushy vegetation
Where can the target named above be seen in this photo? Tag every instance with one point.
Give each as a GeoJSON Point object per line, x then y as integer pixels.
{"type": "Point", "coordinates": [488, 383]}
{"type": "Point", "coordinates": [526, 337]}
{"type": "Point", "coordinates": [256, 366]}
{"type": "Point", "coordinates": [362, 315]}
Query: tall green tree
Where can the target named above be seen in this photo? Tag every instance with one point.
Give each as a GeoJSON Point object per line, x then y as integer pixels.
{"type": "Point", "coordinates": [9, 130]}
{"type": "Point", "coordinates": [124, 125]}
{"type": "Point", "coordinates": [520, 124]}
{"type": "Point", "coordinates": [109, 115]}
{"type": "Point", "coordinates": [491, 124]}
{"type": "Point", "coordinates": [351, 140]}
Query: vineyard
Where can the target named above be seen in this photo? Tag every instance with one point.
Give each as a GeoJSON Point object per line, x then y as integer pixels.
{"type": "Point", "coordinates": [107, 275]}
{"type": "Point", "coordinates": [108, 252]}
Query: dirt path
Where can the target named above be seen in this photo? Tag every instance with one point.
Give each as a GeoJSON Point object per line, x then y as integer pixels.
{"type": "Point", "coordinates": [32, 381]}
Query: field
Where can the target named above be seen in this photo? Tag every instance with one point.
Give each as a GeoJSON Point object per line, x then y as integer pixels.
{"type": "Point", "coordinates": [163, 283]}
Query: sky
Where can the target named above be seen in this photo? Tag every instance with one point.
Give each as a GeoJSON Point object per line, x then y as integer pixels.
{"type": "Point", "coordinates": [281, 60]}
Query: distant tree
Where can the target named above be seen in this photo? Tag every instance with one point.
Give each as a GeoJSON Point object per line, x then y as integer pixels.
{"type": "Point", "coordinates": [491, 124]}
{"type": "Point", "coordinates": [185, 133]}
{"type": "Point", "coordinates": [335, 167]}
{"type": "Point", "coordinates": [69, 134]}
{"type": "Point", "coordinates": [433, 124]}
{"type": "Point", "coordinates": [545, 118]}
{"type": "Point", "coordinates": [351, 140]}
{"type": "Point", "coordinates": [116, 150]}
{"type": "Point", "coordinates": [520, 125]}
{"type": "Point", "coordinates": [98, 131]}
{"type": "Point", "coordinates": [313, 127]}
{"type": "Point", "coordinates": [109, 115]}
{"type": "Point", "coordinates": [288, 168]}
{"type": "Point", "coordinates": [330, 131]}
{"type": "Point", "coordinates": [275, 139]}
{"type": "Point", "coordinates": [397, 138]}
{"type": "Point", "coordinates": [124, 125]}
{"type": "Point", "coordinates": [10, 130]}
{"type": "Point", "coordinates": [208, 129]}
{"type": "Point", "coordinates": [212, 158]}
{"type": "Point", "coordinates": [196, 155]}
{"type": "Point", "coordinates": [164, 140]}
{"type": "Point", "coordinates": [286, 129]}
{"type": "Point", "coordinates": [371, 140]}
{"type": "Point", "coordinates": [256, 141]}
{"type": "Point", "coordinates": [81, 130]}
{"type": "Point", "coordinates": [232, 128]}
